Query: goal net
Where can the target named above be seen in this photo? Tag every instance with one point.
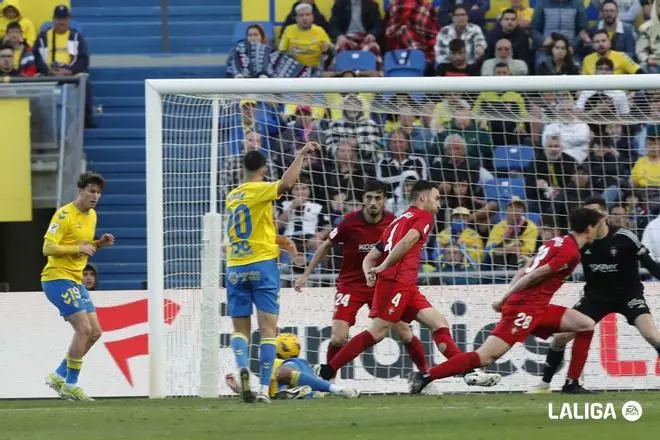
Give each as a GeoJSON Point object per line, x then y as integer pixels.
{"type": "Point", "coordinates": [511, 156]}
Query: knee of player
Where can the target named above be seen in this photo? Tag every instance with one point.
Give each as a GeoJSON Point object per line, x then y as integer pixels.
{"type": "Point", "coordinates": [405, 334]}
{"type": "Point", "coordinates": [84, 329]}
{"type": "Point", "coordinates": [338, 339]}
{"type": "Point", "coordinates": [587, 325]}
{"type": "Point", "coordinates": [96, 334]}
{"type": "Point", "coordinates": [284, 376]}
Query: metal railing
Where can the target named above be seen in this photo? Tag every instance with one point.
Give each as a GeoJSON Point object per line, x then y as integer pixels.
{"type": "Point", "coordinates": [57, 118]}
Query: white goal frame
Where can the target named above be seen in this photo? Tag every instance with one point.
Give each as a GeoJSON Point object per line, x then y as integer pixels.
{"type": "Point", "coordinates": [156, 88]}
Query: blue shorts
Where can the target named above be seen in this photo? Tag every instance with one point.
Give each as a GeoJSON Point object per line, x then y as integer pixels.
{"type": "Point", "coordinates": [68, 297]}
{"type": "Point", "coordinates": [256, 283]}
{"type": "Point", "coordinates": [298, 364]}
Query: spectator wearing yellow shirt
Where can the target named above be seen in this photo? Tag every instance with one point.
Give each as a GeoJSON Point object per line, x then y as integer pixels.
{"type": "Point", "coordinates": [645, 174]}
{"type": "Point", "coordinates": [525, 13]}
{"type": "Point", "coordinates": [305, 41]}
{"type": "Point", "coordinates": [462, 234]}
{"type": "Point", "coordinates": [623, 64]}
{"type": "Point", "coordinates": [513, 237]}
{"type": "Point", "coordinates": [11, 13]}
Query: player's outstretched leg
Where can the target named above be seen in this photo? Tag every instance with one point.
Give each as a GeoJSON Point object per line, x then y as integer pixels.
{"type": "Point", "coordinates": [492, 349]}
{"type": "Point", "coordinates": [294, 378]}
{"type": "Point", "coordinates": [553, 361]}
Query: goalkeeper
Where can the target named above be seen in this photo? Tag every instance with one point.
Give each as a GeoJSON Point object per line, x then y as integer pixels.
{"type": "Point", "coordinates": [293, 377]}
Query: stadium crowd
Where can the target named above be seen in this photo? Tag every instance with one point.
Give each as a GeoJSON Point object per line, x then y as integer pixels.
{"type": "Point", "coordinates": [577, 144]}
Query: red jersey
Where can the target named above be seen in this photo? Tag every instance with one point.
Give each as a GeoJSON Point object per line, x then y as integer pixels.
{"type": "Point", "coordinates": [562, 254]}
{"type": "Point", "coordinates": [358, 238]}
{"type": "Point", "coordinates": [406, 270]}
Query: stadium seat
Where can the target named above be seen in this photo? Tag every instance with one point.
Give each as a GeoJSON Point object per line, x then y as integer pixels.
{"type": "Point", "coordinates": [49, 24]}
{"type": "Point", "coordinates": [401, 62]}
{"type": "Point", "coordinates": [355, 60]}
{"type": "Point", "coordinates": [502, 190]}
{"type": "Point", "coordinates": [512, 157]}
{"type": "Point", "coordinates": [241, 28]}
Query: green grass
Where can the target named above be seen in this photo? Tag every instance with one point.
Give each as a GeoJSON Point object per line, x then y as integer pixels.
{"type": "Point", "coordinates": [464, 417]}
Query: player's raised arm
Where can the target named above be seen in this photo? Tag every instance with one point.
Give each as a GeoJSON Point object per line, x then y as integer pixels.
{"type": "Point", "coordinates": [320, 253]}
{"type": "Point", "coordinates": [292, 174]}
{"type": "Point", "coordinates": [399, 250]}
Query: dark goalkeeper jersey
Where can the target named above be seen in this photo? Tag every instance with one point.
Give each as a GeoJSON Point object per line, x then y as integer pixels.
{"type": "Point", "coordinates": [611, 266]}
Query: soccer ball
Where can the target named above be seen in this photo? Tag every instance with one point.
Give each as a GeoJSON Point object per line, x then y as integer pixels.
{"type": "Point", "coordinates": [288, 346]}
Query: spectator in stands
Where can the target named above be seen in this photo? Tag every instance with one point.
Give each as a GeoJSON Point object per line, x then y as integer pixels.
{"type": "Point", "coordinates": [390, 168]}
{"type": "Point", "coordinates": [637, 209]}
{"type": "Point", "coordinates": [573, 195]}
{"type": "Point", "coordinates": [645, 175]}
{"type": "Point", "coordinates": [452, 259]}
{"type": "Point", "coordinates": [513, 237]}
{"type": "Point", "coordinates": [624, 145]}
{"type": "Point", "coordinates": [548, 173]}
{"type": "Point", "coordinates": [603, 105]}
{"type": "Point", "coordinates": [621, 35]}
{"type": "Point", "coordinates": [411, 24]}
{"type": "Point", "coordinates": [470, 33]}
{"type": "Point", "coordinates": [510, 29]}
{"type": "Point", "coordinates": [7, 61]}
{"type": "Point", "coordinates": [476, 10]}
{"type": "Point", "coordinates": [457, 64]}
{"type": "Point", "coordinates": [354, 125]}
{"type": "Point", "coordinates": [603, 49]}
{"type": "Point", "coordinates": [647, 7]}
{"type": "Point", "coordinates": [348, 174]}
{"type": "Point", "coordinates": [62, 51]}
{"type": "Point", "coordinates": [462, 193]}
{"type": "Point", "coordinates": [503, 54]}
{"type": "Point", "coordinates": [651, 238]}
{"type": "Point", "coordinates": [422, 138]}
{"type": "Point", "coordinates": [461, 233]}
{"type": "Point", "coordinates": [304, 128]}
{"type": "Point", "coordinates": [477, 138]}
{"type": "Point", "coordinates": [10, 12]}
{"type": "Point", "coordinates": [504, 108]}
{"type": "Point", "coordinates": [574, 134]}
{"type": "Point", "coordinates": [23, 56]}
{"type": "Point", "coordinates": [400, 200]}
{"type": "Point", "coordinates": [453, 165]}
{"type": "Point", "coordinates": [231, 173]}
{"type": "Point", "coordinates": [629, 11]}
{"type": "Point", "coordinates": [560, 61]}
{"type": "Point", "coordinates": [90, 277]}
{"type": "Point", "coordinates": [548, 229]}
{"type": "Point", "coordinates": [524, 12]}
{"type": "Point", "coordinates": [305, 41]}
{"type": "Point", "coordinates": [606, 169]}
{"type": "Point", "coordinates": [359, 25]}
{"type": "Point", "coordinates": [648, 42]}
{"type": "Point", "coordinates": [620, 218]}
{"type": "Point", "coordinates": [318, 19]}
{"type": "Point", "coordinates": [565, 17]}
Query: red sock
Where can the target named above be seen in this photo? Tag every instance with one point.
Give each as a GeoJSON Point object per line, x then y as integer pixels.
{"type": "Point", "coordinates": [352, 349]}
{"type": "Point", "coordinates": [332, 351]}
{"type": "Point", "coordinates": [579, 354]}
{"type": "Point", "coordinates": [442, 336]}
{"type": "Point", "coordinates": [459, 364]}
{"type": "Point", "coordinates": [416, 352]}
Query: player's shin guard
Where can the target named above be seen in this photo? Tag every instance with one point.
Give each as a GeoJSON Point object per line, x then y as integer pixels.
{"type": "Point", "coordinates": [73, 367]}
{"type": "Point", "coordinates": [352, 349]}
{"type": "Point", "coordinates": [553, 360]}
{"type": "Point", "coordinates": [459, 364]}
{"type": "Point", "coordinates": [416, 352]}
{"type": "Point", "coordinates": [442, 336]}
{"type": "Point", "coordinates": [61, 370]}
{"type": "Point", "coordinates": [317, 384]}
{"type": "Point", "coordinates": [266, 360]}
{"type": "Point", "coordinates": [579, 354]}
{"type": "Point", "coordinates": [239, 345]}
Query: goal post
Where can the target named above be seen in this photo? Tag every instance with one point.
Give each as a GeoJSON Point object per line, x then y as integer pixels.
{"type": "Point", "coordinates": [196, 131]}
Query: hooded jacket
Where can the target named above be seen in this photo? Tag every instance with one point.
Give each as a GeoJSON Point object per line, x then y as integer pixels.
{"type": "Point", "coordinates": [29, 32]}
{"type": "Point", "coordinates": [648, 42]}
{"type": "Point", "coordinates": [77, 48]}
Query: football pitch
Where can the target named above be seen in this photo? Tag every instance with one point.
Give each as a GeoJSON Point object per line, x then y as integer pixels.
{"type": "Point", "coordinates": [464, 417]}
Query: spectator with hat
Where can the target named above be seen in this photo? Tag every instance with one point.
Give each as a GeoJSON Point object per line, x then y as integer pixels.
{"type": "Point", "coordinates": [460, 232]}
{"type": "Point", "coordinates": [62, 51]}
{"type": "Point", "coordinates": [513, 237]}
{"type": "Point", "coordinates": [10, 12]}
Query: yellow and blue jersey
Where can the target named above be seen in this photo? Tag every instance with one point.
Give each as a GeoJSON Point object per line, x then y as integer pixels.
{"type": "Point", "coordinates": [250, 227]}
{"type": "Point", "coordinates": [296, 364]}
{"type": "Point", "coordinates": [69, 227]}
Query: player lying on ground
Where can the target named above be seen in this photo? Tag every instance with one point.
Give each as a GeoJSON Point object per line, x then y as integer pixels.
{"type": "Point", "coordinates": [68, 243]}
{"type": "Point", "coordinates": [397, 297]}
{"type": "Point", "coordinates": [253, 276]}
{"type": "Point", "coordinates": [358, 232]}
{"type": "Point", "coordinates": [612, 285]}
{"type": "Point", "coordinates": [293, 377]}
{"type": "Point", "coordinates": [526, 307]}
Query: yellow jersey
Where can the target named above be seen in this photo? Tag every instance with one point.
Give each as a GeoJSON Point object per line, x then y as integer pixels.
{"type": "Point", "coordinates": [623, 64]}
{"type": "Point", "coordinates": [273, 380]}
{"type": "Point", "coordinates": [646, 173]}
{"type": "Point", "coordinates": [250, 227]}
{"type": "Point", "coordinates": [305, 45]}
{"type": "Point", "coordinates": [69, 227]}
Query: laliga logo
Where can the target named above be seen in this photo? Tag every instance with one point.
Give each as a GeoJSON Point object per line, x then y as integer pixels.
{"type": "Point", "coordinates": [126, 315]}
{"type": "Point", "coordinates": [631, 411]}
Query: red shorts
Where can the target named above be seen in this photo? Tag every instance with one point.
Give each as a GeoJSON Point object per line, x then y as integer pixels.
{"type": "Point", "coordinates": [518, 323]}
{"type": "Point", "coordinates": [348, 303]}
{"type": "Point", "coordinates": [394, 301]}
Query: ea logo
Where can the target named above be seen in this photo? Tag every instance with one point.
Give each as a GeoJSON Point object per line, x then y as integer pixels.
{"type": "Point", "coordinates": [631, 411]}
